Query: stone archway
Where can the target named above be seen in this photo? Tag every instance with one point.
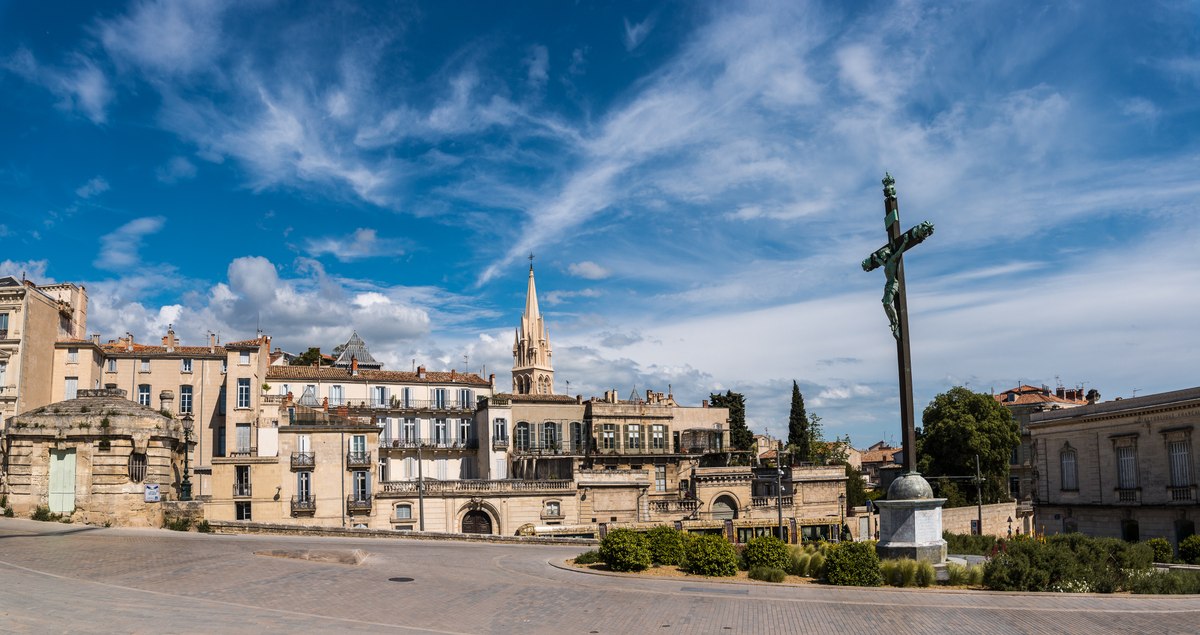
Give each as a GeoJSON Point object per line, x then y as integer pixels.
{"type": "Point", "coordinates": [724, 508]}
{"type": "Point", "coordinates": [477, 522]}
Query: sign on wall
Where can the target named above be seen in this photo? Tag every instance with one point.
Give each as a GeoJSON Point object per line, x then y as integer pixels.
{"type": "Point", "coordinates": [152, 495]}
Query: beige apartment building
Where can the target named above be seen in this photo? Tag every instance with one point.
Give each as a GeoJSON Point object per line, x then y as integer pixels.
{"type": "Point", "coordinates": [32, 319]}
{"type": "Point", "coordinates": [1122, 468]}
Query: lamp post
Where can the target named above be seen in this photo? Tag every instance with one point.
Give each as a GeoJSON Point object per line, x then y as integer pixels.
{"type": "Point", "coordinates": [185, 485]}
{"type": "Point", "coordinates": [779, 496]}
{"type": "Point", "coordinates": [841, 514]}
{"type": "Point", "coordinates": [1010, 526]}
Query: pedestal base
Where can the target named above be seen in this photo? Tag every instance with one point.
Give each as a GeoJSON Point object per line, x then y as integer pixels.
{"type": "Point", "coordinates": [911, 528]}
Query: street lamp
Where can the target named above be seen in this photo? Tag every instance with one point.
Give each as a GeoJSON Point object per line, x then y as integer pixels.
{"type": "Point", "coordinates": [185, 485]}
{"type": "Point", "coordinates": [841, 514]}
{"type": "Point", "coordinates": [1010, 526]}
{"type": "Point", "coordinates": [779, 496]}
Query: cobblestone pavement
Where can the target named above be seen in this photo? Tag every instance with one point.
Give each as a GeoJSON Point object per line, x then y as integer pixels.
{"type": "Point", "coordinates": [68, 578]}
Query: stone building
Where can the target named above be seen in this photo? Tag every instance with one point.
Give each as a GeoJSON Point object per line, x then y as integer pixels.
{"type": "Point", "coordinates": [1022, 402]}
{"type": "Point", "coordinates": [1121, 468]}
{"type": "Point", "coordinates": [93, 457]}
{"type": "Point", "coordinates": [32, 319]}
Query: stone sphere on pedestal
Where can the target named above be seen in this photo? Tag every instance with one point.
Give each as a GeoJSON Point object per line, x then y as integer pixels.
{"type": "Point", "coordinates": [910, 521]}
{"type": "Point", "coordinates": [910, 486]}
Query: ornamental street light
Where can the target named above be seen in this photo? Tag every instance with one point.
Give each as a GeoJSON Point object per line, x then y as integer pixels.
{"type": "Point", "coordinates": [779, 496]}
{"type": "Point", "coordinates": [185, 485]}
{"type": "Point", "coordinates": [1010, 526]}
{"type": "Point", "coordinates": [841, 514]}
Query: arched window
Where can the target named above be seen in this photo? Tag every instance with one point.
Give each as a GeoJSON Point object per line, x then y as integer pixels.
{"type": "Point", "coordinates": [1070, 474]}
{"type": "Point", "coordinates": [550, 435]}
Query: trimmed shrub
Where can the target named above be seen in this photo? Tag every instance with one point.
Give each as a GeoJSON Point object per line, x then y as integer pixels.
{"type": "Point", "coordinates": [853, 564]}
{"type": "Point", "coordinates": [767, 551]}
{"type": "Point", "coordinates": [625, 550]}
{"type": "Point", "coordinates": [711, 556]}
{"type": "Point", "coordinates": [666, 545]}
{"type": "Point", "coordinates": [1162, 549]}
{"type": "Point", "coordinates": [1067, 563]}
{"type": "Point", "coordinates": [588, 557]}
{"type": "Point", "coordinates": [8, 512]}
{"type": "Point", "coordinates": [767, 574]}
{"type": "Point", "coordinates": [1189, 549]}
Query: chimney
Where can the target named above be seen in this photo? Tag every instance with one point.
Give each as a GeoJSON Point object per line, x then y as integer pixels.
{"type": "Point", "coordinates": [420, 372]}
{"type": "Point", "coordinates": [128, 342]}
{"type": "Point", "coordinates": [353, 365]}
{"type": "Point", "coordinates": [1060, 392]}
{"type": "Point", "coordinates": [166, 400]}
{"type": "Point", "coordinates": [96, 339]}
{"type": "Point", "coordinates": [704, 404]}
{"type": "Point", "coordinates": [169, 340]}
{"type": "Point", "coordinates": [492, 380]}
{"type": "Point", "coordinates": [212, 342]}
{"type": "Point", "coordinates": [452, 374]}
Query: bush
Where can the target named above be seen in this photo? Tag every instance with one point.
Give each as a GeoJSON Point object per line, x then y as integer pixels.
{"type": "Point", "coordinates": [816, 566]}
{"type": "Point", "coordinates": [666, 545]}
{"type": "Point", "coordinates": [625, 550]}
{"type": "Point", "coordinates": [1066, 563]}
{"type": "Point", "coordinates": [178, 524]}
{"type": "Point", "coordinates": [588, 557]}
{"type": "Point", "coordinates": [8, 512]}
{"type": "Point", "coordinates": [926, 574]}
{"type": "Point", "coordinates": [968, 544]}
{"type": "Point", "coordinates": [767, 574]}
{"type": "Point", "coordinates": [711, 556]}
{"type": "Point", "coordinates": [798, 564]}
{"type": "Point", "coordinates": [1162, 549]}
{"type": "Point", "coordinates": [1174, 582]}
{"type": "Point", "coordinates": [42, 513]}
{"type": "Point", "coordinates": [853, 564]}
{"type": "Point", "coordinates": [203, 527]}
{"type": "Point", "coordinates": [964, 575]}
{"type": "Point", "coordinates": [767, 551]}
{"type": "Point", "coordinates": [1189, 549]}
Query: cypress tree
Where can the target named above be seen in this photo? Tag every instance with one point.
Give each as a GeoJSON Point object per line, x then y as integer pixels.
{"type": "Point", "coordinates": [798, 432]}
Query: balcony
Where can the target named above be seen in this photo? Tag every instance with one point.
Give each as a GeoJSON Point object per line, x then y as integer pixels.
{"type": "Point", "coordinates": [409, 488]}
{"type": "Point", "coordinates": [8, 392]}
{"type": "Point", "coordinates": [429, 444]}
{"type": "Point", "coordinates": [770, 501]}
{"type": "Point", "coordinates": [499, 444]}
{"type": "Point", "coordinates": [1129, 495]}
{"type": "Point", "coordinates": [241, 490]}
{"type": "Point", "coordinates": [251, 451]}
{"type": "Point", "coordinates": [552, 448]}
{"type": "Point", "coordinates": [358, 460]}
{"type": "Point", "coordinates": [1179, 494]}
{"type": "Point", "coordinates": [420, 405]}
{"type": "Point", "coordinates": [303, 505]}
{"type": "Point", "coordinates": [681, 506]}
{"type": "Point", "coordinates": [303, 460]}
{"type": "Point", "coordinates": [361, 504]}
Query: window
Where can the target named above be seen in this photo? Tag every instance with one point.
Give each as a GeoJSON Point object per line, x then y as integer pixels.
{"type": "Point", "coordinates": [410, 467]}
{"type": "Point", "coordinates": [284, 389]}
{"type": "Point", "coordinates": [464, 430]}
{"type": "Point", "coordinates": [224, 366]}
{"type": "Point", "coordinates": [658, 437]}
{"type": "Point", "coordinates": [243, 392]}
{"type": "Point", "coordinates": [110, 365]}
{"type": "Point", "coordinates": [1181, 465]}
{"type": "Point", "coordinates": [521, 434]}
{"type": "Point", "coordinates": [406, 397]}
{"type": "Point", "coordinates": [500, 429]}
{"type": "Point", "coordinates": [577, 437]}
{"type": "Point", "coordinates": [243, 358]}
{"type": "Point", "coordinates": [358, 447]}
{"type": "Point", "coordinates": [1070, 476]}
{"type": "Point", "coordinates": [439, 398]}
{"type": "Point", "coordinates": [440, 468]}
{"type": "Point", "coordinates": [304, 486]}
{"type": "Point", "coordinates": [69, 391]}
{"type": "Point", "coordinates": [3, 326]}
{"type": "Point", "coordinates": [243, 510]}
{"type": "Point", "coordinates": [221, 402]}
{"type": "Point", "coordinates": [379, 397]}
{"type": "Point", "coordinates": [608, 437]}
{"type": "Point", "coordinates": [1127, 467]}
{"type": "Point", "coordinates": [3, 374]}
{"type": "Point", "coordinates": [410, 430]}
{"type": "Point", "coordinates": [72, 355]}
{"type": "Point", "coordinates": [550, 435]}
{"type": "Point", "coordinates": [634, 434]}
{"type": "Point", "coordinates": [144, 366]}
{"type": "Point", "coordinates": [137, 467]}
{"type": "Point", "coordinates": [553, 509]}
{"type": "Point", "coordinates": [185, 399]}
{"type": "Point", "coordinates": [362, 485]}
{"type": "Point", "coordinates": [336, 395]}
{"type": "Point", "coordinates": [185, 365]}
{"type": "Point", "coordinates": [242, 438]}
{"type": "Point", "coordinates": [404, 512]}
{"type": "Point", "coordinates": [439, 432]}
{"type": "Point", "coordinates": [144, 394]}
{"type": "Point", "coordinates": [241, 480]}
{"type": "Point", "coordinates": [465, 398]}
{"type": "Point", "coordinates": [660, 478]}
{"type": "Point", "coordinates": [219, 440]}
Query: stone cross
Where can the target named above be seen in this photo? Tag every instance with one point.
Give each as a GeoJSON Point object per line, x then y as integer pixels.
{"type": "Point", "coordinates": [895, 304]}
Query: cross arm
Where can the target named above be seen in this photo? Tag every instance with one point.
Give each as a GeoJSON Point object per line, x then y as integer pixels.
{"type": "Point", "coordinates": [909, 239]}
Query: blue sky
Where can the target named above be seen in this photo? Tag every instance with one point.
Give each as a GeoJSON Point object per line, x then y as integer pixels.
{"type": "Point", "coordinates": [698, 182]}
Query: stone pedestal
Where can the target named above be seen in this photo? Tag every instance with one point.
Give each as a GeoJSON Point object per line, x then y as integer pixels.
{"type": "Point", "coordinates": [910, 521]}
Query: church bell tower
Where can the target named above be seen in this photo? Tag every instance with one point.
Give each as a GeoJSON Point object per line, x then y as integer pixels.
{"type": "Point", "coordinates": [533, 373]}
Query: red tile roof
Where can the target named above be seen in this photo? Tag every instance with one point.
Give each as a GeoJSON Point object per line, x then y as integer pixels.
{"type": "Point", "coordinates": [1029, 395]}
{"type": "Point", "coordinates": [328, 373]}
{"type": "Point", "coordinates": [881, 456]}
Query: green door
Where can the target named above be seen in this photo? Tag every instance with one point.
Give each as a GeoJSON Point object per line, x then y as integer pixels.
{"type": "Point", "coordinates": [62, 481]}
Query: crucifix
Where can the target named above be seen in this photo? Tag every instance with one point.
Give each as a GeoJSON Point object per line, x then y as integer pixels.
{"type": "Point", "coordinates": [895, 304]}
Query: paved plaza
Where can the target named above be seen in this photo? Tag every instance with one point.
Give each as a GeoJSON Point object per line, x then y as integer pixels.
{"type": "Point", "coordinates": [70, 578]}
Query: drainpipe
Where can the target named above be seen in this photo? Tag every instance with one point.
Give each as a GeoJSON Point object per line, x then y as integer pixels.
{"type": "Point", "coordinates": [343, 478]}
{"type": "Point", "coordinates": [420, 488]}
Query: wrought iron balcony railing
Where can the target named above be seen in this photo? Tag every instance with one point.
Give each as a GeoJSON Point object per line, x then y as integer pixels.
{"type": "Point", "coordinates": [436, 444]}
{"type": "Point", "coordinates": [358, 460]}
{"type": "Point", "coordinates": [241, 490]}
{"type": "Point", "coordinates": [303, 460]}
{"type": "Point", "coordinates": [358, 503]}
{"type": "Point", "coordinates": [304, 505]}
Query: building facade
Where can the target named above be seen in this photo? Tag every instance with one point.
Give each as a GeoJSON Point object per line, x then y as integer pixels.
{"type": "Point", "coordinates": [1022, 402]}
{"type": "Point", "coordinates": [1122, 468]}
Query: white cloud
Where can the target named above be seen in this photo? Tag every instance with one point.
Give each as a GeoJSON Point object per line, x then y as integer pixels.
{"type": "Point", "coordinates": [80, 86]}
{"type": "Point", "coordinates": [363, 243]}
{"type": "Point", "coordinates": [635, 34]}
{"type": "Point", "coordinates": [539, 65]}
{"type": "Point", "coordinates": [1141, 109]}
{"type": "Point", "coordinates": [175, 170]}
{"type": "Point", "coordinates": [588, 270]}
{"type": "Point", "coordinates": [94, 187]}
{"type": "Point", "coordinates": [558, 297]}
{"type": "Point", "coordinates": [119, 248]}
{"type": "Point", "coordinates": [34, 270]}
{"type": "Point", "coordinates": [165, 37]}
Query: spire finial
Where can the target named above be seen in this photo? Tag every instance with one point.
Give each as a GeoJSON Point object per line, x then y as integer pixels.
{"type": "Point", "coordinates": [531, 261]}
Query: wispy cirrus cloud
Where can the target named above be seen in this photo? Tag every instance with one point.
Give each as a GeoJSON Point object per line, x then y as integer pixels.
{"type": "Point", "coordinates": [363, 243]}
{"type": "Point", "coordinates": [94, 187]}
{"type": "Point", "coordinates": [80, 84]}
{"type": "Point", "coordinates": [119, 249]}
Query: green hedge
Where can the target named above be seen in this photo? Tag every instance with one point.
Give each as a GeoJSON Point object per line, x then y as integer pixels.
{"type": "Point", "coordinates": [1162, 549]}
{"type": "Point", "coordinates": [625, 550]}
{"type": "Point", "coordinates": [968, 544]}
{"type": "Point", "coordinates": [711, 556]}
{"type": "Point", "coordinates": [1189, 549]}
{"type": "Point", "coordinates": [666, 545]}
{"type": "Point", "coordinates": [767, 551]}
{"type": "Point", "coordinates": [1066, 563]}
{"type": "Point", "coordinates": [853, 564]}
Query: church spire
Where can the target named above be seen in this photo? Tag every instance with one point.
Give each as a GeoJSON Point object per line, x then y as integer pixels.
{"type": "Point", "coordinates": [533, 372]}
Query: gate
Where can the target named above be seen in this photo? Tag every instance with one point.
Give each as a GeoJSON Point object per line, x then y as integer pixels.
{"type": "Point", "coordinates": [476, 522]}
{"type": "Point", "coordinates": [62, 481]}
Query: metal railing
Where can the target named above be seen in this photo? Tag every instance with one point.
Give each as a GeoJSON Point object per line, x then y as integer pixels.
{"type": "Point", "coordinates": [1127, 495]}
{"type": "Point", "coordinates": [553, 448]}
{"type": "Point", "coordinates": [303, 460]}
{"type": "Point", "coordinates": [435, 444]}
{"type": "Point", "coordinates": [499, 444]}
{"type": "Point", "coordinates": [448, 405]}
{"type": "Point", "coordinates": [241, 490]}
{"type": "Point", "coordinates": [304, 505]}
{"type": "Point", "coordinates": [769, 501]}
{"type": "Point", "coordinates": [480, 487]}
{"type": "Point", "coordinates": [358, 503]}
{"type": "Point", "coordinates": [358, 460]}
{"type": "Point", "coordinates": [1181, 493]}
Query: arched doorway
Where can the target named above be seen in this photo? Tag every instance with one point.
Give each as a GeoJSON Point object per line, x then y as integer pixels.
{"type": "Point", "coordinates": [724, 508]}
{"type": "Point", "coordinates": [476, 522]}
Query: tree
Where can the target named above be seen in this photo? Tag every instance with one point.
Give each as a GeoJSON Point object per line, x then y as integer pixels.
{"type": "Point", "coordinates": [856, 487]}
{"type": "Point", "coordinates": [957, 425]}
{"type": "Point", "coordinates": [310, 357]}
{"type": "Point", "coordinates": [798, 436]}
{"type": "Point", "coordinates": [739, 435]}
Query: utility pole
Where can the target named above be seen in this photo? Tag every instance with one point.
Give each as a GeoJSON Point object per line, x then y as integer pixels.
{"type": "Point", "coordinates": [978, 496]}
{"type": "Point", "coordinates": [779, 496]}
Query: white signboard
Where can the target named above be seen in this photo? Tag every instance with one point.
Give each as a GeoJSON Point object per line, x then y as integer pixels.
{"type": "Point", "coordinates": [152, 493]}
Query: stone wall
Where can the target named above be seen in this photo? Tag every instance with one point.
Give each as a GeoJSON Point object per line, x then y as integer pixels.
{"type": "Point", "coordinates": [957, 520]}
